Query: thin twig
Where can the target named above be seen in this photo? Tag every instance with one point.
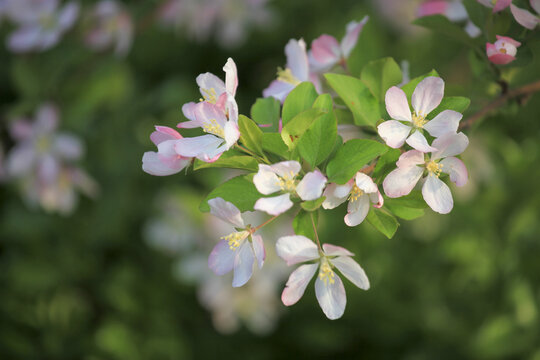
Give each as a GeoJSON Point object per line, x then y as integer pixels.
{"type": "Point", "coordinates": [315, 230]}
{"type": "Point", "coordinates": [264, 223]}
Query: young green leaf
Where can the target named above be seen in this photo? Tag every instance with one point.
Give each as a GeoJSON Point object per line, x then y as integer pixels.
{"type": "Point", "coordinates": [357, 97]}
{"type": "Point", "coordinates": [273, 143]}
{"type": "Point", "coordinates": [295, 129]}
{"type": "Point", "coordinates": [313, 205]}
{"type": "Point", "coordinates": [242, 162]}
{"type": "Point", "coordinates": [265, 111]}
{"type": "Point", "coordinates": [407, 207]}
{"type": "Point", "coordinates": [456, 103]}
{"type": "Point", "coordinates": [250, 134]}
{"type": "Point", "coordinates": [384, 222]}
{"type": "Point", "coordinates": [303, 225]}
{"type": "Point", "coordinates": [351, 157]}
{"type": "Point", "coordinates": [441, 24]}
{"type": "Point", "coordinates": [385, 164]}
{"type": "Point", "coordinates": [380, 75]}
{"type": "Point", "coordinates": [239, 190]}
{"type": "Point", "coordinates": [298, 100]}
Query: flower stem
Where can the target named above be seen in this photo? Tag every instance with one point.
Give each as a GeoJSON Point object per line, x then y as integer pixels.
{"type": "Point", "coordinates": [315, 231]}
{"type": "Point", "coordinates": [264, 223]}
{"type": "Point", "coordinates": [263, 159]}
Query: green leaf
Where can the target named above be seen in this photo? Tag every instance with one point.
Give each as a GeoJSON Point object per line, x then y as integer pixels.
{"type": "Point", "coordinates": [411, 85]}
{"type": "Point", "coordinates": [298, 100]}
{"type": "Point", "coordinates": [239, 190]}
{"type": "Point", "coordinates": [250, 134]}
{"type": "Point", "coordinates": [477, 12]}
{"type": "Point", "coordinates": [295, 128]}
{"type": "Point", "coordinates": [441, 24]}
{"type": "Point", "coordinates": [407, 207]}
{"type": "Point", "coordinates": [357, 97]}
{"type": "Point", "coordinates": [230, 159]}
{"type": "Point", "coordinates": [318, 141]}
{"type": "Point", "coordinates": [313, 205]}
{"type": "Point", "coordinates": [351, 157]}
{"type": "Point", "coordinates": [385, 164]}
{"type": "Point", "coordinates": [303, 225]}
{"type": "Point", "coordinates": [386, 223]}
{"type": "Point", "coordinates": [273, 143]}
{"type": "Point", "coordinates": [456, 103]}
{"type": "Point", "coordinates": [380, 75]}
{"type": "Point", "coordinates": [265, 111]}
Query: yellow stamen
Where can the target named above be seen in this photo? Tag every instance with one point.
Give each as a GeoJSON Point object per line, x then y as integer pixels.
{"type": "Point", "coordinates": [287, 182]}
{"type": "Point", "coordinates": [434, 168]}
{"type": "Point", "coordinates": [418, 120]}
{"type": "Point", "coordinates": [325, 272]}
{"type": "Point", "coordinates": [210, 95]}
{"type": "Point", "coordinates": [43, 144]}
{"type": "Point", "coordinates": [287, 76]}
{"type": "Point", "coordinates": [355, 194]}
{"type": "Point", "coordinates": [235, 239]}
{"type": "Point", "coordinates": [214, 128]}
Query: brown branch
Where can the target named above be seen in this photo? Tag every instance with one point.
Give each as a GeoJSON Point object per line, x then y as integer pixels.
{"type": "Point", "coordinates": [524, 90]}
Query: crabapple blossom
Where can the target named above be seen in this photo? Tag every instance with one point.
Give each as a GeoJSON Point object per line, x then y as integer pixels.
{"type": "Point", "coordinates": [524, 17]}
{"type": "Point", "coordinates": [359, 191]}
{"type": "Point", "coordinates": [503, 51]}
{"type": "Point", "coordinates": [454, 10]}
{"type": "Point", "coordinates": [329, 288]}
{"type": "Point", "coordinates": [40, 23]}
{"type": "Point", "coordinates": [497, 5]}
{"type": "Point", "coordinates": [282, 177]}
{"type": "Point", "coordinates": [165, 161]}
{"type": "Point", "coordinates": [412, 164]}
{"type": "Point", "coordinates": [112, 27]}
{"type": "Point", "coordinates": [237, 251]}
{"type": "Point", "coordinates": [426, 97]}
{"type": "Point", "coordinates": [295, 72]}
{"type": "Point", "coordinates": [326, 51]}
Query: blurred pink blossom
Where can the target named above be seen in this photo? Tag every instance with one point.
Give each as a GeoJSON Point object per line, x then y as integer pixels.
{"type": "Point", "coordinates": [497, 5]}
{"type": "Point", "coordinates": [524, 17]}
{"type": "Point", "coordinates": [503, 51]}
{"type": "Point", "coordinates": [454, 10]}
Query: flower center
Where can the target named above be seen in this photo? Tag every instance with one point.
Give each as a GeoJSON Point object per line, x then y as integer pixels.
{"type": "Point", "coordinates": [235, 239]}
{"type": "Point", "coordinates": [418, 120]}
{"type": "Point", "coordinates": [47, 21]}
{"type": "Point", "coordinates": [43, 144]}
{"type": "Point", "coordinates": [209, 95]}
{"type": "Point", "coordinates": [287, 182]}
{"type": "Point", "coordinates": [355, 194]}
{"type": "Point", "coordinates": [213, 127]}
{"type": "Point", "coordinates": [287, 76]}
{"type": "Point", "coordinates": [325, 273]}
{"type": "Point", "coordinates": [434, 168]}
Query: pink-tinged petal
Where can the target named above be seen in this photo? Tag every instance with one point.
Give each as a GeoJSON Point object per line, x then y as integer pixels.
{"type": "Point", "coordinates": [297, 283]}
{"type": "Point", "coordinates": [472, 30]}
{"type": "Point", "coordinates": [365, 183]}
{"type": "Point", "coordinates": [46, 119]}
{"type": "Point", "coordinates": [189, 112]}
{"type": "Point", "coordinates": [501, 5]}
{"type": "Point", "coordinates": [24, 39]}
{"type": "Point", "coordinates": [352, 271]}
{"type": "Point", "coordinates": [297, 59]}
{"type": "Point", "coordinates": [351, 36]}
{"type": "Point", "coordinates": [274, 205]}
{"type": "Point", "coordinates": [418, 142]}
{"type": "Point", "coordinates": [427, 95]}
{"type": "Point", "coordinates": [335, 195]}
{"type": "Point", "coordinates": [68, 15]}
{"type": "Point", "coordinates": [326, 51]}
{"type": "Point", "coordinates": [295, 249]}
{"type": "Point", "coordinates": [202, 147]}
{"type": "Point", "coordinates": [357, 211]}
{"type": "Point", "coordinates": [377, 199]}
{"type": "Point", "coordinates": [21, 129]}
{"type": "Point", "coordinates": [450, 145]}
{"type": "Point", "coordinates": [535, 4]}
{"type": "Point", "coordinates": [397, 105]}
{"type": "Point", "coordinates": [410, 158]}
{"type": "Point", "coordinates": [232, 133]}
{"type": "Point", "coordinates": [445, 122]}
{"type": "Point", "coordinates": [266, 180]}
{"type": "Point", "coordinates": [259, 250]}
{"type": "Point", "coordinates": [401, 181]}
{"type": "Point", "coordinates": [48, 169]}
{"type": "Point", "coordinates": [334, 250]}
{"type": "Point", "coordinates": [221, 259]}
{"type": "Point", "coordinates": [393, 133]}
{"type": "Point", "coordinates": [311, 186]}
{"type": "Point", "coordinates": [491, 50]}
{"type": "Point", "coordinates": [243, 264]}
{"type": "Point", "coordinates": [509, 40]}
{"type": "Point", "coordinates": [164, 133]}
{"type": "Point", "coordinates": [433, 7]}
{"type": "Point", "coordinates": [331, 297]}
{"type": "Point", "coordinates": [20, 160]}
{"type": "Point", "coordinates": [231, 108]}
{"type": "Point", "coordinates": [67, 147]}
{"type": "Point", "coordinates": [501, 59]}
{"type": "Point", "coordinates": [524, 17]}
{"type": "Point", "coordinates": [456, 169]}
{"type": "Point", "coordinates": [153, 165]}
{"type": "Point", "coordinates": [210, 115]}
{"type": "Point", "coordinates": [226, 211]}
{"type": "Point", "coordinates": [231, 76]}
{"type": "Point", "coordinates": [278, 89]}
{"type": "Point", "coordinates": [286, 168]}
{"type": "Point", "coordinates": [211, 86]}
{"type": "Point", "coordinates": [437, 195]}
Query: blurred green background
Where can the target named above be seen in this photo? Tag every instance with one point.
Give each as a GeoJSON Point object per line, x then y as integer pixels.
{"type": "Point", "coordinates": [89, 286]}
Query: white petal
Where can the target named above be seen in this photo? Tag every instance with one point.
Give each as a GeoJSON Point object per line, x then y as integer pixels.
{"type": "Point", "coordinates": [535, 4]}
{"type": "Point", "coordinates": [297, 59]}
{"type": "Point", "coordinates": [286, 168]}
{"type": "Point", "coordinates": [331, 297]}
{"type": "Point", "coordinates": [333, 250]}
{"type": "Point", "coordinates": [295, 249]}
{"type": "Point", "coordinates": [394, 133]}
{"type": "Point", "coordinates": [410, 158]}
{"type": "Point", "coordinates": [331, 192]}
{"type": "Point", "coordinates": [232, 133]}
{"type": "Point", "coordinates": [427, 95]}
{"type": "Point", "coordinates": [221, 259]}
{"type": "Point", "coordinates": [243, 264]}
{"type": "Point", "coordinates": [445, 122]}
{"type": "Point", "coordinates": [449, 145]}
{"type": "Point", "coordinates": [311, 186]}
{"type": "Point", "coordinates": [351, 36]}
{"type": "Point", "coordinates": [297, 283]}
{"type": "Point", "coordinates": [401, 181]}
{"type": "Point", "coordinates": [153, 165]}
{"type": "Point", "coordinates": [278, 89]}
{"type": "Point", "coordinates": [231, 76]}
{"type": "Point", "coordinates": [524, 17]}
{"type": "Point", "coordinates": [209, 81]}
{"type": "Point", "coordinates": [226, 211]}
{"type": "Point", "coordinates": [259, 250]}
{"type": "Point", "coordinates": [352, 271]}
{"type": "Point", "coordinates": [357, 211]}
{"type": "Point", "coordinates": [456, 169]}
{"type": "Point", "coordinates": [437, 195]}
{"type": "Point", "coordinates": [20, 160]}
{"type": "Point", "coordinates": [274, 205]}
{"type": "Point", "coordinates": [397, 105]}
{"type": "Point", "coordinates": [418, 141]}
{"type": "Point", "coordinates": [266, 181]}
{"type": "Point", "coordinates": [203, 147]}
{"type": "Point", "coordinates": [210, 115]}
{"type": "Point", "coordinates": [365, 183]}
